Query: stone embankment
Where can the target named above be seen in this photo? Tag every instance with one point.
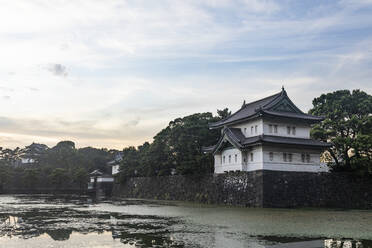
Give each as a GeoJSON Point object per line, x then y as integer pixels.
{"type": "Point", "coordinates": [255, 189]}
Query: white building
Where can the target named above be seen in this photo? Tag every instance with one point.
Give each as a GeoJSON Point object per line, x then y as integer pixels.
{"type": "Point", "coordinates": [268, 134]}
{"type": "Point", "coordinates": [115, 163]}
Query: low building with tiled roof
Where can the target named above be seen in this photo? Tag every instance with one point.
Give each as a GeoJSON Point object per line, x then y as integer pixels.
{"type": "Point", "coordinates": [268, 134]}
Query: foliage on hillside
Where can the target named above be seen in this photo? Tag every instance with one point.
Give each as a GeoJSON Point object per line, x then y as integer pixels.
{"type": "Point", "coordinates": [177, 148]}
{"type": "Point", "coordinates": [348, 126]}
{"type": "Point", "coordinates": [60, 167]}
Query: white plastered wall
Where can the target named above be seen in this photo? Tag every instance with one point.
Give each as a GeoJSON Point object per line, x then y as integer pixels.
{"type": "Point", "coordinates": [296, 164]}
{"type": "Point", "coordinates": [257, 163]}
{"type": "Point", "coordinates": [302, 130]}
{"type": "Point", "coordinates": [229, 165]}
{"type": "Point", "coordinates": [249, 126]}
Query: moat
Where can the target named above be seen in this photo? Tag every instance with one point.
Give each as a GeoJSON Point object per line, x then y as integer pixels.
{"type": "Point", "coordinates": [76, 221]}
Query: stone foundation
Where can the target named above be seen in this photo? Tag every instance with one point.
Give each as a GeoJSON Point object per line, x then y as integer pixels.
{"type": "Point", "coordinates": [255, 189]}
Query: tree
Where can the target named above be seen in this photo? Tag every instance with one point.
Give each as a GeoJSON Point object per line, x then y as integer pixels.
{"type": "Point", "coordinates": [30, 177]}
{"type": "Point", "coordinates": [80, 177]}
{"type": "Point", "coordinates": [347, 126]}
{"type": "Point", "coordinates": [60, 177]}
{"type": "Point", "coordinates": [177, 147]}
{"type": "Point", "coordinates": [224, 113]}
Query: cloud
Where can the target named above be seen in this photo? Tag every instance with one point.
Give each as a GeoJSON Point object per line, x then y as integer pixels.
{"type": "Point", "coordinates": [119, 71]}
{"type": "Point", "coordinates": [58, 70]}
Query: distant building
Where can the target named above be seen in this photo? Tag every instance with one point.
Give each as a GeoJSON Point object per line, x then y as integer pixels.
{"type": "Point", "coordinates": [100, 183]}
{"type": "Point", "coordinates": [31, 154]}
{"type": "Point", "coordinates": [115, 163]}
{"type": "Point", "coordinates": [268, 134]}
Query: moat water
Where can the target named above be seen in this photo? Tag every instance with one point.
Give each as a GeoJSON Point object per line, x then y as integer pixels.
{"type": "Point", "coordinates": [74, 221]}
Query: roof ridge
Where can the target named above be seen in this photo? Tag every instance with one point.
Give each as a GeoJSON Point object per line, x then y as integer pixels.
{"type": "Point", "coordinates": [277, 94]}
{"type": "Point", "coordinates": [244, 106]}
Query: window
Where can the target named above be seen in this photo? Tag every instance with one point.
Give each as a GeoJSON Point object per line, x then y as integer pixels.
{"type": "Point", "coordinates": [275, 128]}
{"type": "Point", "coordinates": [288, 130]}
{"type": "Point", "coordinates": [294, 130]}
{"type": "Point", "coordinates": [303, 157]}
{"type": "Point", "coordinates": [290, 157]}
{"type": "Point", "coordinates": [307, 158]}
{"type": "Point", "coordinates": [251, 129]}
{"type": "Point", "coordinates": [236, 158]}
{"type": "Point", "coordinates": [285, 157]}
{"type": "Point", "coordinates": [245, 130]}
{"type": "Point", "coordinates": [251, 156]}
{"type": "Point", "coordinates": [255, 129]}
{"type": "Point", "coordinates": [271, 155]}
{"type": "Point", "coordinates": [229, 159]}
{"type": "Point", "coordinates": [223, 160]}
{"type": "Point", "coordinates": [270, 128]}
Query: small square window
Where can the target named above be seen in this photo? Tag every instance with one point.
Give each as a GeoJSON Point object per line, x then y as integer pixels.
{"type": "Point", "coordinates": [270, 128]}
{"type": "Point", "coordinates": [271, 155]}
{"type": "Point", "coordinates": [275, 128]}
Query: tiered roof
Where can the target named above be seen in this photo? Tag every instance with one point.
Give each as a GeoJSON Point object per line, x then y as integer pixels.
{"type": "Point", "coordinates": [237, 139]}
{"type": "Point", "coordinates": [278, 105]}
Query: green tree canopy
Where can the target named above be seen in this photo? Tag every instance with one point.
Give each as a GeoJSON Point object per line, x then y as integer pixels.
{"type": "Point", "coordinates": [348, 126]}
{"type": "Point", "coordinates": [178, 147]}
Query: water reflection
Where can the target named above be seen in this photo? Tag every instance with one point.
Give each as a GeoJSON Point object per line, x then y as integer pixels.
{"type": "Point", "coordinates": [75, 222]}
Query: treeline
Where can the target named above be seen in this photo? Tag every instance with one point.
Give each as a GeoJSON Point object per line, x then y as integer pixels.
{"type": "Point", "coordinates": [175, 149]}
{"type": "Point", "coordinates": [62, 167]}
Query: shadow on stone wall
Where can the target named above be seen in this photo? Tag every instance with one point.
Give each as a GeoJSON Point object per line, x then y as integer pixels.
{"type": "Point", "coordinates": [255, 189]}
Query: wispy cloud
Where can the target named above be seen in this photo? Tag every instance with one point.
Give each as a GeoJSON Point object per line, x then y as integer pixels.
{"type": "Point", "coordinates": [113, 73]}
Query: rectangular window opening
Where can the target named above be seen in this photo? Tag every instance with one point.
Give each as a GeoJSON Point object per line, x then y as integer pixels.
{"type": "Point", "coordinates": [285, 157]}
{"type": "Point", "coordinates": [275, 128]}
{"type": "Point", "coordinates": [236, 158]}
{"type": "Point", "coordinates": [270, 128]}
{"type": "Point", "coordinates": [294, 130]}
{"type": "Point", "coordinates": [288, 130]}
{"type": "Point", "coordinates": [271, 155]}
{"type": "Point", "coordinates": [255, 129]}
{"type": "Point", "coordinates": [290, 157]}
{"type": "Point", "coordinates": [251, 156]}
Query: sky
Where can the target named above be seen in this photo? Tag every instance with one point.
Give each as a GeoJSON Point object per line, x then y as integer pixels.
{"type": "Point", "coordinates": [114, 73]}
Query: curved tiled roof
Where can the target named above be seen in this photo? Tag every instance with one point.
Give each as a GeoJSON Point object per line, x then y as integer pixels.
{"type": "Point", "coordinates": [266, 106]}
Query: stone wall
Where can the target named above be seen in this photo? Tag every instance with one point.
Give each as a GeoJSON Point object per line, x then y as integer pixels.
{"type": "Point", "coordinates": [244, 189]}
{"type": "Point", "coordinates": [301, 189]}
{"type": "Point", "coordinates": [255, 189]}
